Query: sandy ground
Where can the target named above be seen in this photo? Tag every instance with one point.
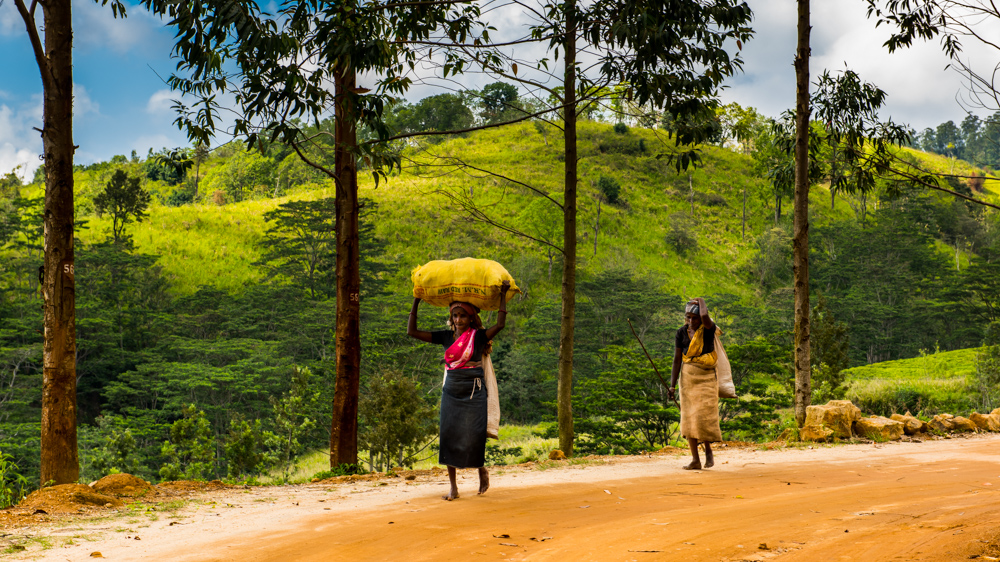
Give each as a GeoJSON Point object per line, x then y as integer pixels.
{"type": "Point", "coordinates": [933, 500]}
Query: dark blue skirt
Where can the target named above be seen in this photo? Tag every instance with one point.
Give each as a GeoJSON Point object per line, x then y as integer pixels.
{"type": "Point", "coordinates": [463, 419]}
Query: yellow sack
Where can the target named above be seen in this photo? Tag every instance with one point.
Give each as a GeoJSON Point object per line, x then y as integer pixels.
{"type": "Point", "coordinates": [475, 281]}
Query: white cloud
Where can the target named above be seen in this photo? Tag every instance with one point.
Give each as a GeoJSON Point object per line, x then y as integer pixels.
{"type": "Point", "coordinates": [20, 145]}
{"type": "Point", "coordinates": [160, 102]}
{"type": "Point", "coordinates": [920, 92]}
{"type": "Point", "coordinates": [11, 23]}
{"type": "Point", "coordinates": [83, 104]}
{"type": "Point", "coordinates": [95, 26]}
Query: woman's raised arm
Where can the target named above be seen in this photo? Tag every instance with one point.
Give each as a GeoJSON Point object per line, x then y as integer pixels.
{"type": "Point", "coordinates": [706, 320]}
{"type": "Point", "coordinates": [501, 314]}
{"type": "Point", "coordinates": [411, 326]}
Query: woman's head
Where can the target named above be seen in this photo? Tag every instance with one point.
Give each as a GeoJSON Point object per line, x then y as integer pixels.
{"type": "Point", "coordinates": [692, 314]}
{"type": "Point", "coordinates": [463, 316]}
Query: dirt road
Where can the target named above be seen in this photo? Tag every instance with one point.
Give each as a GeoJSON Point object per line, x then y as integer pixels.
{"type": "Point", "coordinates": [935, 500]}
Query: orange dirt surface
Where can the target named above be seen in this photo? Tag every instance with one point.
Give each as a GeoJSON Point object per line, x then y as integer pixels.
{"type": "Point", "coordinates": [932, 500]}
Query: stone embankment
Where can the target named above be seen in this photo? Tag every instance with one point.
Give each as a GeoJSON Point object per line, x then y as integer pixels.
{"type": "Point", "coordinates": [841, 419]}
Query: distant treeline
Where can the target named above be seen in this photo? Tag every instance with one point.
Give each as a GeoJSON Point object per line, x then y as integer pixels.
{"type": "Point", "coordinates": [975, 140]}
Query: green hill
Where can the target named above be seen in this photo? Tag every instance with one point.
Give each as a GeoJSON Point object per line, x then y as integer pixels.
{"type": "Point", "coordinates": [207, 244]}
{"type": "Point", "coordinates": [215, 331]}
{"type": "Point", "coordinates": [934, 382]}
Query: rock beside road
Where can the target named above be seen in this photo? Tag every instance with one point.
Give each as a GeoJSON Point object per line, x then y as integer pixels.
{"type": "Point", "coordinates": [836, 415]}
{"type": "Point", "coordinates": [942, 423]}
{"type": "Point", "coordinates": [879, 428]}
{"type": "Point", "coordinates": [815, 432]}
{"type": "Point", "coordinates": [986, 422]}
{"type": "Point", "coordinates": [964, 425]}
{"type": "Point", "coordinates": [911, 425]}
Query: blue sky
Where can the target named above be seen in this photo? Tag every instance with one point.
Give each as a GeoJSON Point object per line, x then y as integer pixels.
{"type": "Point", "coordinates": [122, 103]}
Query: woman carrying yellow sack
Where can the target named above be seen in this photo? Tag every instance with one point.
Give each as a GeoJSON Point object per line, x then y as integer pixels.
{"type": "Point", "coordinates": [695, 359]}
{"type": "Point", "coordinates": [464, 397]}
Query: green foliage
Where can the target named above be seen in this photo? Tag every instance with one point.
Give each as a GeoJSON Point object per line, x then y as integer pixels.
{"type": "Point", "coordinates": [771, 265]}
{"type": "Point", "coordinates": [396, 420]}
{"type": "Point", "coordinates": [681, 237]}
{"type": "Point", "coordinates": [301, 244]}
{"type": "Point", "coordinates": [246, 174]}
{"type": "Point", "coordinates": [190, 452]}
{"type": "Point", "coordinates": [10, 185]}
{"type": "Point", "coordinates": [13, 486]}
{"type": "Point", "coordinates": [986, 382]}
{"type": "Point", "coordinates": [624, 409]}
{"type": "Point", "coordinates": [442, 112]}
{"type": "Point", "coordinates": [622, 144]}
{"type": "Point", "coordinates": [293, 418]}
{"type": "Point", "coordinates": [762, 375]}
{"type": "Point", "coordinates": [498, 102]}
{"type": "Point", "coordinates": [610, 189]}
{"type": "Point", "coordinates": [620, 128]}
{"type": "Point", "coordinates": [244, 448]}
{"type": "Point", "coordinates": [497, 455]}
{"type": "Point", "coordinates": [169, 166]}
{"type": "Point", "coordinates": [118, 451]}
{"type": "Point", "coordinates": [931, 383]}
{"type": "Point", "coordinates": [124, 200]}
{"type": "Point", "coordinates": [829, 346]}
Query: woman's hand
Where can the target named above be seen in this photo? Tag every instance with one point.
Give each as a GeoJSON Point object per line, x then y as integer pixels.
{"type": "Point", "coordinates": [672, 393]}
{"type": "Point", "coordinates": [504, 287]}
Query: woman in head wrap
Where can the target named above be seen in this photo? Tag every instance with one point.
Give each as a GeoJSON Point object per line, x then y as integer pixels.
{"type": "Point", "coordinates": [462, 438]}
{"type": "Point", "coordinates": [695, 357]}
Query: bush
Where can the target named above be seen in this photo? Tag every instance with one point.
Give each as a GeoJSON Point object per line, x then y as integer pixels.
{"type": "Point", "coordinates": [626, 145]}
{"type": "Point", "coordinates": [244, 451]}
{"type": "Point", "coordinates": [180, 197]}
{"type": "Point", "coordinates": [118, 453]}
{"type": "Point", "coordinates": [13, 486]}
{"type": "Point", "coordinates": [190, 452]}
{"type": "Point", "coordinates": [710, 199]}
{"type": "Point", "coordinates": [624, 409]}
{"type": "Point", "coordinates": [610, 189]}
{"type": "Point", "coordinates": [680, 237]}
{"type": "Point", "coordinates": [497, 455]}
{"type": "Point", "coordinates": [621, 128]}
{"type": "Point", "coordinates": [395, 421]}
{"type": "Point", "coordinates": [986, 383]}
{"type": "Point", "coordinates": [929, 395]}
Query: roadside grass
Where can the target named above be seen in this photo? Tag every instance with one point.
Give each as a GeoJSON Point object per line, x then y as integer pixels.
{"type": "Point", "coordinates": [517, 444]}
{"type": "Point", "coordinates": [929, 384]}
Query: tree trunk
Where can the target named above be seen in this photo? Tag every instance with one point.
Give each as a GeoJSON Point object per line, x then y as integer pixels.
{"type": "Point", "coordinates": [691, 189]}
{"type": "Point", "coordinates": [564, 391]}
{"type": "Point", "coordinates": [59, 461]}
{"type": "Point", "coordinates": [800, 229]}
{"type": "Point", "coordinates": [344, 425]}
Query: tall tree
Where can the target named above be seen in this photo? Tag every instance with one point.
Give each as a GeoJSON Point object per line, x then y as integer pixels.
{"type": "Point", "coordinates": [54, 57]}
{"type": "Point", "coordinates": [660, 54]}
{"type": "Point", "coordinates": [284, 67]}
{"type": "Point", "coordinates": [800, 222]}
{"type": "Point", "coordinates": [125, 200]}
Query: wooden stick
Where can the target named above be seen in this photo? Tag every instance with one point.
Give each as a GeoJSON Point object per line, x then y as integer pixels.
{"type": "Point", "coordinates": [651, 362]}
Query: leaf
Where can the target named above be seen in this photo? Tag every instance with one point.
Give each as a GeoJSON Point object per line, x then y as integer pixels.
{"type": "Point", "coordinates": [513, 68]}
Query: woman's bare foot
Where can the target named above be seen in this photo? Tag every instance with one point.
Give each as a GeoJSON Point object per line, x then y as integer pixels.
{"type": "Point", "coordinates": [453, 494]}
{"type": "Point", "coordinates": [709, 459]}
{"type": "Point", "coordinates": [695, 465]}
{"type": "Point", "coordinates": [484, 480]}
